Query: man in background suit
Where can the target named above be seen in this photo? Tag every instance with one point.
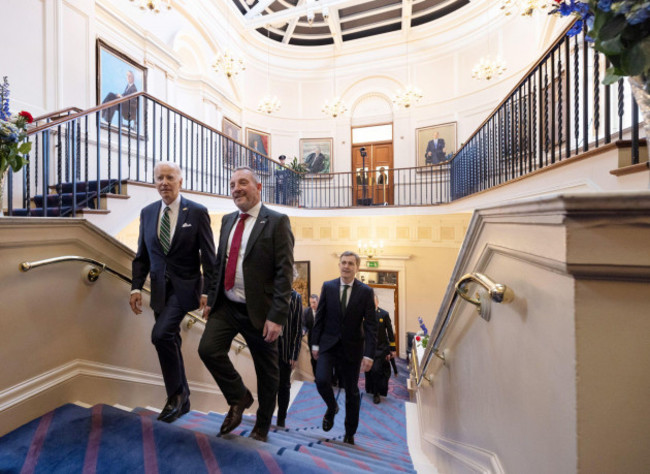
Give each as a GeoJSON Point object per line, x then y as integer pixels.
{"type": "Point", "coordinates": [435, 150]}
{"type": "Point", "coordinates": [344, 335]}
{"type": "Point", "coordinates": [308, 317]}
{"type": "Point", "coordinates": [377, 377]}
{"type": "Point", "coordinates": [249, 295]}
{"type": "Point", "coordinates": [175, 241]}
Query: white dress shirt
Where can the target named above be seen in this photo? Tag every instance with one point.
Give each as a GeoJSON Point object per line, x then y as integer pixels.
{"type": "Point", "coordinates": [237, 293]}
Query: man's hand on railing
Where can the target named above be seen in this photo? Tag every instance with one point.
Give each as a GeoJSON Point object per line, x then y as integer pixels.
{"type": "Point", "coordinates": [136, 303]}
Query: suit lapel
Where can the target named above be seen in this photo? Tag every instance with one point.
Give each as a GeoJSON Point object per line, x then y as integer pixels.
{"type": "Point", "coordinates": [260, 222]}
{"type": "Point", "coordinates": [183, 214]}
{"type": "Point", "coordinates": [226, 229]}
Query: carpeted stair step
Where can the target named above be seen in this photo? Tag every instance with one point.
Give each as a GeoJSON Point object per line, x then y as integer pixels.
{"type": "Point", "coordinates": [106, 185]}
{"type": "Point", "coordinates": [84, 199]}
{"type": "Point", "coordinates": [366, 454]}
{"type": "Point", "coordinates": [38, 212]}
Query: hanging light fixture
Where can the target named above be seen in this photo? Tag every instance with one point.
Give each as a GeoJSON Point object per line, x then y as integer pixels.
{"type": "Point", "coordinates": [524, 7]}
{"type": "Point", "coordinates": [268, 104]}
{"type": "Point", "coordinates": [228, 62]}
{"type": "Point", "coordinates": [410, 94]}
{"type": "Point", "coordinates": [487, 67]}
{"type": "Point", "coordinates": [336, 106]}
{"type": "Point", "coordinates": [154, 5]}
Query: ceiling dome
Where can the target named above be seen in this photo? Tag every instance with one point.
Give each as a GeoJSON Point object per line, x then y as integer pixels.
{"type": "Point", "coordinates": [320, 22]}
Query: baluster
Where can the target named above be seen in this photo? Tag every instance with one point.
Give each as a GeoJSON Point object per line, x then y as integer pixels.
{"type": "Point", "coordinates": [559, 107]}
{"type": "Point", "coordinates": [552, 103]}
{"type": "Point", "coordinates": [585, 91]}
{"type": "Point", "coordinates": [576, 93]}
{"type": "Point", "coordinates": [621, 108]}
{"type": "Point", "coordinates": [567, 99]}
{"type": "Point", "coordinates": [596, 96]}
{"type": "Point", "coordinates": [608, 108]}
{"type": "Point", "coordinates": [59, 171]}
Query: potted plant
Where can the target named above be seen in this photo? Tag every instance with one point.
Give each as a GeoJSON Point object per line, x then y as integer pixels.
{"type": "Point", "coordinates": [299, 169]}
{"type": "Point", "coordinates": [13, 134]}
{"type": "Point", "coordinates": [620, 29]}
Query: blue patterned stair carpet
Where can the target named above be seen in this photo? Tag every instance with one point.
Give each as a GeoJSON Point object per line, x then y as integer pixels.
{"type": "Point", "coordinates": [72, 439]}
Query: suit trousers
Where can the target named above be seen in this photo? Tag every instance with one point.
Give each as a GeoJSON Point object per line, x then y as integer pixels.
{"type": "Point", "coordinates": [349, 373]}
{"type": "Point", "coordinates": [224, 324]}
{"type": "Point", "coordinates": [166, 337]}
{"type": "Point", "coordinates": [284, 389]}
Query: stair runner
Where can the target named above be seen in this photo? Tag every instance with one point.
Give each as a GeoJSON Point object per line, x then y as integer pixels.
{"type": "Point", "coordinates": [107, 439]}
{"type": "Point", "coordinates": [59, 204]}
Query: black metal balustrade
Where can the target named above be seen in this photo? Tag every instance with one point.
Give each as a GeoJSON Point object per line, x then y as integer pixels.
{"type": "Point", "coordinates": [559, 110]}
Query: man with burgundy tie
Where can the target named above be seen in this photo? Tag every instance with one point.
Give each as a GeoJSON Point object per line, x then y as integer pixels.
{"type": "Point", "coordinates": [250, 295]}
{"type": "Point", "coordinates": [175, 241]}
{"type": "Point", "coordinates": [344, 336]}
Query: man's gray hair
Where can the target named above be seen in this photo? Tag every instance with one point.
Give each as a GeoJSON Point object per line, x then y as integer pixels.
{"type": "Point", "coordinates": [350, 253]}
{"type": "Point", "coordinates": [171, 165]}
{"type": "Point", "coordinates": [250, 170]}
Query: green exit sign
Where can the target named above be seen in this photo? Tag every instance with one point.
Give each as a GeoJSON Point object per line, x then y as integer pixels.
{"type": "Point", "coordinates": [372, 264]}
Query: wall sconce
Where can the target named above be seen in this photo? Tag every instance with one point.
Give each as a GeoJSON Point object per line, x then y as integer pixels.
{"type": "Point", "coordinates": [370, 249]}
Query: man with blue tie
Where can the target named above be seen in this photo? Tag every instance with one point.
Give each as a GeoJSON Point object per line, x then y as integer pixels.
{"type": "Point", "coordinates": [344, 335]}
{"type": "Point", "coordinates": [250, 295]}
{"type": "Point", "coordinates": [175, 241]}
{"type": "Point", "coordinates": [435, 152]}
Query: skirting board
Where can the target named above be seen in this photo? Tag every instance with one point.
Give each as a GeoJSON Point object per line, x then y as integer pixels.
{"type": "Point", "coordinates": [472, 458]}
{"type": "Point", "coordinates": [93, 382]}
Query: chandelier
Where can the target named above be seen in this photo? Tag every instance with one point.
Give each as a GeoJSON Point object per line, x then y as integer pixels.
{"type": "Point", "coordinates": [269, 104]}
{"type": "Point", "coordinates": [370, 249]}
{"type": "Point", "coordinates": [154, 5]}
{"type": "Point", "coordinates": [336, 108]}
{"type": "Point", "coordinates": [228, 63]}
{"type": "Point", "coordinates": [524, 7]}
{"type": "Point", "coordinates": [488, 68]}
{"type": "Point", "coordinates": [405, 98]}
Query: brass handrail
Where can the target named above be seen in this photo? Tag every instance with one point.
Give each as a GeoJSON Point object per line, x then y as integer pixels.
{"type": "Point", "coordinates": [98, 269]}
{"type": "Point", "coordinates": [497, 292]}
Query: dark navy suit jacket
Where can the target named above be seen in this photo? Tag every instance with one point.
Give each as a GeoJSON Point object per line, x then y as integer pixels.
{"type": "Point", "coordinates": [356, 329]}
{"type": "Point", "coordinates": [192, 247]}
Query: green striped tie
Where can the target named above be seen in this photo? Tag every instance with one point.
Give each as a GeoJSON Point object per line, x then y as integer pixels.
{"type": "Point", "coordinates": [165, 228]}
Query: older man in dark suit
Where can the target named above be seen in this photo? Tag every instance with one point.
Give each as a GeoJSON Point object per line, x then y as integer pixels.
{"type": "Point", "coordinates": [344, 335]}
{"type": "Point", "coordinates": [435, 152]}
{"type": "Point", "coordinates": [175, 241]}
{"type": "Point", "coordinates": [250, 295]}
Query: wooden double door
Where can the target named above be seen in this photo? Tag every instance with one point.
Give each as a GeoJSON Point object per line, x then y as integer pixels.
{"type": "Point", "coordinates": [373, 176]}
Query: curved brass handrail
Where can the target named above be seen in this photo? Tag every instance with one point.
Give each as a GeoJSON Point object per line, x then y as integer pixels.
{"type": "Point", "coordinates": [497, 292]}
{"type": "Point", "coordinates": [98, 269]}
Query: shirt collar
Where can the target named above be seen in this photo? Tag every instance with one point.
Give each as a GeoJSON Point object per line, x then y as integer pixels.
{"type": "Point", "coordinates": [174, 206]}
{"type": "Point", "coordinates": [342, 283]}
{"type": "Point", "coordinates": [254, 211]}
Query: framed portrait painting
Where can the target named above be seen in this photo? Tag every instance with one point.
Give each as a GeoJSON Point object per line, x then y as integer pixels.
{"type": "Point", "coordinates": [302, 283]}
{"type": "Point", "coordinates": [231, 129]}
{"type": "Point", "coordinates": [259, 141]}
{"type": "Point", "coordinates": [118, 76]}
{"type": "Point", "coordinates": [316, 154]}
{"type": "Point", "coordinates": [435, 144]}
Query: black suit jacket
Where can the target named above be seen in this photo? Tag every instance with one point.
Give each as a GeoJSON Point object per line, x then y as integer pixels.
{"type": "Point", "coordinates": [356, 329]}
{"type": "Point", "coordinates": [385, 334]}
{"type": "Point", "coordinates": [192, 247]}
{"type": "Point", "coordinates": [308, 323]}
{"type": "Point", "coordinates": [267, 266]}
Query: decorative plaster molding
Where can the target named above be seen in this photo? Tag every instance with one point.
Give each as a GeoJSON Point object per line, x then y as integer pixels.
{"type": "Point", "coordinates": [476, 459]}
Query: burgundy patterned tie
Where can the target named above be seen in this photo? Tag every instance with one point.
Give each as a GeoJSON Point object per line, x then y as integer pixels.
{"type": "Point", "coordinates": [231, 266]}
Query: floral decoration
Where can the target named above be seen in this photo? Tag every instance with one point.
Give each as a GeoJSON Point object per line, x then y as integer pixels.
{"type": "Point", "coordinates": [13, 133]}
{"type": "Point", "coordinates": [620, 29]}
{"type": "Point", "coordinates": [422, 335]}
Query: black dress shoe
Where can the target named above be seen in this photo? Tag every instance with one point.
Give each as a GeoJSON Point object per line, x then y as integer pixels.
{"type": "Point", "coordinates": [349, 439]}
{"type": "Point", "coordinates": [280, 423]}
{"type": "Point", "coordinates": [328, 418]}
{"type": "Point", "coordinates": [176, 406]}
{"type": "Point", "coordinates": [233, 418]}
{"type": "Point", "coordinates": [376, 398]}
{"type": "Point", "coordinates": [259, 433]}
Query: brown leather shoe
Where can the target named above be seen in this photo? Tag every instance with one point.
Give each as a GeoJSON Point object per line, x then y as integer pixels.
{"type": "Point", "coordinates": [259, 433]}
{"type": "Point", "coordinates": [233, 418]}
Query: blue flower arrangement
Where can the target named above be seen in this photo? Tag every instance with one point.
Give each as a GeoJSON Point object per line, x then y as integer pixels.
{"type": "Point", "coordinates": [423, 334]}
{"type": "Point", "coordinates": [620, 29]}
{"type": "Point", "coordinates": [13, 132]}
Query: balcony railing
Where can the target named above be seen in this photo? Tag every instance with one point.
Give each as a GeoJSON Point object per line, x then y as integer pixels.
{"type": "Point", "coordinates": [558, 110]}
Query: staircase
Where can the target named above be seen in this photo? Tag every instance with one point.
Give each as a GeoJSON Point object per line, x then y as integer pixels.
{"type": "Point", "coordinates": [105, 438]}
